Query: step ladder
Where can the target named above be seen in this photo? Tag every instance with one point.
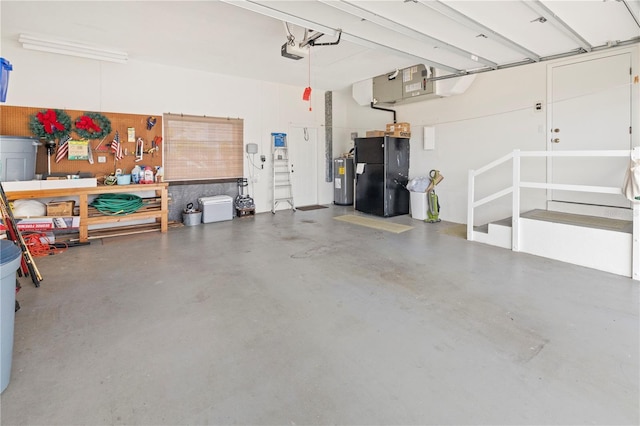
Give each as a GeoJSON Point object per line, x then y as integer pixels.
{"type": "Point", "coordinates": [27, 264]}
{"type": "Point", "coordinates": [282, 185]}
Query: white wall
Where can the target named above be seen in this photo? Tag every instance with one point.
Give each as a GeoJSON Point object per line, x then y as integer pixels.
{"type": "Point", "coordinates": [492, 118]}
{"type": "Point", "coordinates": [54, 81]}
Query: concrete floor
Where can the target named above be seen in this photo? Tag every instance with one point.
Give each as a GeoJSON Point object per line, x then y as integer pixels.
{"type": "Point", "coordinates": [296, 318]}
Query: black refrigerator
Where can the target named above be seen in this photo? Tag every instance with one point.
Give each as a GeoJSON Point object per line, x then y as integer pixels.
{"type": "Point", "coordinates": [382, 173]}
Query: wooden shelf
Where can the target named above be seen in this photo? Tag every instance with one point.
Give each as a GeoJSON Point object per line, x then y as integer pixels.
{"type": "Point", "coordinates": [89, 216]}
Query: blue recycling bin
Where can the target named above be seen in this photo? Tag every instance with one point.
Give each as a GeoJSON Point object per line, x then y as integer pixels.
{"type": "Point", "coordinates": [5, 68]}
{"type": "Point", "coordinates": [10, 256]}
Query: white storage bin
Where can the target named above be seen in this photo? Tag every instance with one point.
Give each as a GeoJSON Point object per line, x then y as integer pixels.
{"type": "Point", "coordinates": [216, 208]}
{"type": "Point", "coordinates": [418, 205]}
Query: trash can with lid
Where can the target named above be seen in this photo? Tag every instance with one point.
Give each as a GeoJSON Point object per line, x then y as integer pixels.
{"type": "Point", "coordinates": [10, 256]}
{"type": "Point", "coordinates": [417, 192]}
{"type": "Point", "coordinates": [418, 205]}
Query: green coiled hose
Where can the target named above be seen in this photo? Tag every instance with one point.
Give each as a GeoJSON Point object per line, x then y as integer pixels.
{"type": "Point", "coordinates": [117, 204]}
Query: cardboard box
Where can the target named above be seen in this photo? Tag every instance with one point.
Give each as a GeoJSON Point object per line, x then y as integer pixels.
{"type": "Point", "coordinates": [399, 130]}
{"type": "Point", "coordinates": [60, 208]}
{"type": "Point", "coordinates": [374, 133]}
{"type": "Point", "coordinates": [398, 127]}
{"type": "Point", "coordinates": [45, 223]}
{"type": "Point", "coordinates": [399, 134]}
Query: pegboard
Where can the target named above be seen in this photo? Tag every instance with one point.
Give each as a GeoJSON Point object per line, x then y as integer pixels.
{"type": "Point", "coordinates": [14, 121]}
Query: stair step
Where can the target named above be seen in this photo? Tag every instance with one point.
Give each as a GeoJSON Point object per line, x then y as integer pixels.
{"type": "Point", "coordinates": [596, 222]}
{"type": "Point", "coordinates": [507, 221]}
{"type": "Point", "coordinates": [482, 228]}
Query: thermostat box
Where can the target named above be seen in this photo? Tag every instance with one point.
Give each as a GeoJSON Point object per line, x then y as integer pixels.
{"type": "Point", "coordinates": [216, 208]}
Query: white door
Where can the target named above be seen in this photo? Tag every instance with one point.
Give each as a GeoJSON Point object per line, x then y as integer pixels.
{"type": "Point", "coordinates": [590, 109]}
{"type": "Point", "coordinates": [303, 151]}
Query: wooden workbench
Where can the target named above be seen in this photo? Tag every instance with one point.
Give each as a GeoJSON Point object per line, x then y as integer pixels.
{"type": "Point", "coordinates": [160, 214]}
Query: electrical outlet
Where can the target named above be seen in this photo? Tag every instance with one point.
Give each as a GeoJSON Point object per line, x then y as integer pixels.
{"type": "Point", "coordinates": [102, 159]}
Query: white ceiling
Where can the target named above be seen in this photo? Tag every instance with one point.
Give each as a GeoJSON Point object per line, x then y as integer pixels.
{"type": "Point", "coordinates": [243, 38]}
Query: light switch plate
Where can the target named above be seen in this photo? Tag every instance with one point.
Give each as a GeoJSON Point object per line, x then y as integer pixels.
{"type": "Point", "coordinates": [429, 138]}
{"type": "Point", "coordinates": [102, 159]}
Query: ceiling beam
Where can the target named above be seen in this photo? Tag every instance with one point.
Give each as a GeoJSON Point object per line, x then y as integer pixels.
{"type": "Point", "coordinates": [360, 12]}
{"type": "Point", "coordinates": [555, 20]}
{"type": "Point", "coordinates": [381, 47]}
{"type": "Point", "coordinates": [265, 9]}
{"type": "Point", "coordinates": [634, 13]}
{"type": "Point", "coordinates": [463, 19]}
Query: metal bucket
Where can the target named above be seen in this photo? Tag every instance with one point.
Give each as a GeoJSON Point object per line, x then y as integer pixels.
{"type": "Point", "coordinates": [191, 216]}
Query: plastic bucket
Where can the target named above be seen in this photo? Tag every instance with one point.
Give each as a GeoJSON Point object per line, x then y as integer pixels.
{"type": "Point", "coordinates": [191, 218]}
{"type": "Point", "coordinates": [10, 256]}
{"type": "Point", "coordinates": [5, 67]}
{"type": "Point", "coordinates": [124, 179]}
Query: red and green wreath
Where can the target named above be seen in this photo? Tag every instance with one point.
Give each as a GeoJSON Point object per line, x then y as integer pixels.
{"type": "Point", "coordinates": [92, 125]}
{"type": "Point", "coordinates": [50, 124]}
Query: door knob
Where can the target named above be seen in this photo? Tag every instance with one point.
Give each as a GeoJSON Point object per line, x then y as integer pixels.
{"type": "Point", "coordinates": [555, 140]}
{"type": "Point", "coordinates": [556, 130]}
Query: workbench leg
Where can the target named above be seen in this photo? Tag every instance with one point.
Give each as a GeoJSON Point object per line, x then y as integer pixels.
{"type": "Point", "coordinates": [84, 218]}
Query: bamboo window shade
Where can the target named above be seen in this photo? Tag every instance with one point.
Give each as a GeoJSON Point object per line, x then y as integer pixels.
{"type": "Point", "coordinates": [198, 148]}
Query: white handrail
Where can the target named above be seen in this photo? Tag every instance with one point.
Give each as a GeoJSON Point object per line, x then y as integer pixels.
{"type": "Point", "coordinates": [601, 153]}
{"type": "Point", "coordinates": [494, 163]}
{"type": "Point", "coordinates": [517, 184]}
{"type": "Point", "coordinates": [493, 196]}
{"type": "Point", "coordinates": [578, 188]}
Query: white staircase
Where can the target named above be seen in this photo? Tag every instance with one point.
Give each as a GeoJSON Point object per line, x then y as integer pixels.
{"type": "Point", "coordinates": [602, 243]}
{"type": "Point", "coordinates": [595, 242]}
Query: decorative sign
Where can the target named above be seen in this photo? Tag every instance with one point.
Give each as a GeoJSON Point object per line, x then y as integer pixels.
{"type": "Point", "coordinates": [78, 149]}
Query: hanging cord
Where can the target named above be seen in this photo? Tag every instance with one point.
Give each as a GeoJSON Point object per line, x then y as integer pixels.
{"type": "Point", "coordinates": [39, 245]}
{"type": "Point", "coordinates": [291, 39]}
{"type": "Point", "coordinates": [252, 172]}
{"type": "Point", "coordinates": [117, 204]}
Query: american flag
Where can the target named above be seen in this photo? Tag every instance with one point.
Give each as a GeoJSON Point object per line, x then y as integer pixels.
{"type": "Point", "coordinates": [116, 147]}
{"type": "Point", "coordinates": [63, 148]}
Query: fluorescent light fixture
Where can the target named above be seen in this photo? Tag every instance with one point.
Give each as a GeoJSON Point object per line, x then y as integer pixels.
{"type": "Point", "coordinates": [71, 48]}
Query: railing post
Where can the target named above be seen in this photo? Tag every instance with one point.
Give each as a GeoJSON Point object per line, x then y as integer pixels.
{"type": "Point", "coordinates": [470, 201]}
{"type": "Point", "coordinates": [635, 249]}
{"type": "Point", "coordinates": [515, 217]}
